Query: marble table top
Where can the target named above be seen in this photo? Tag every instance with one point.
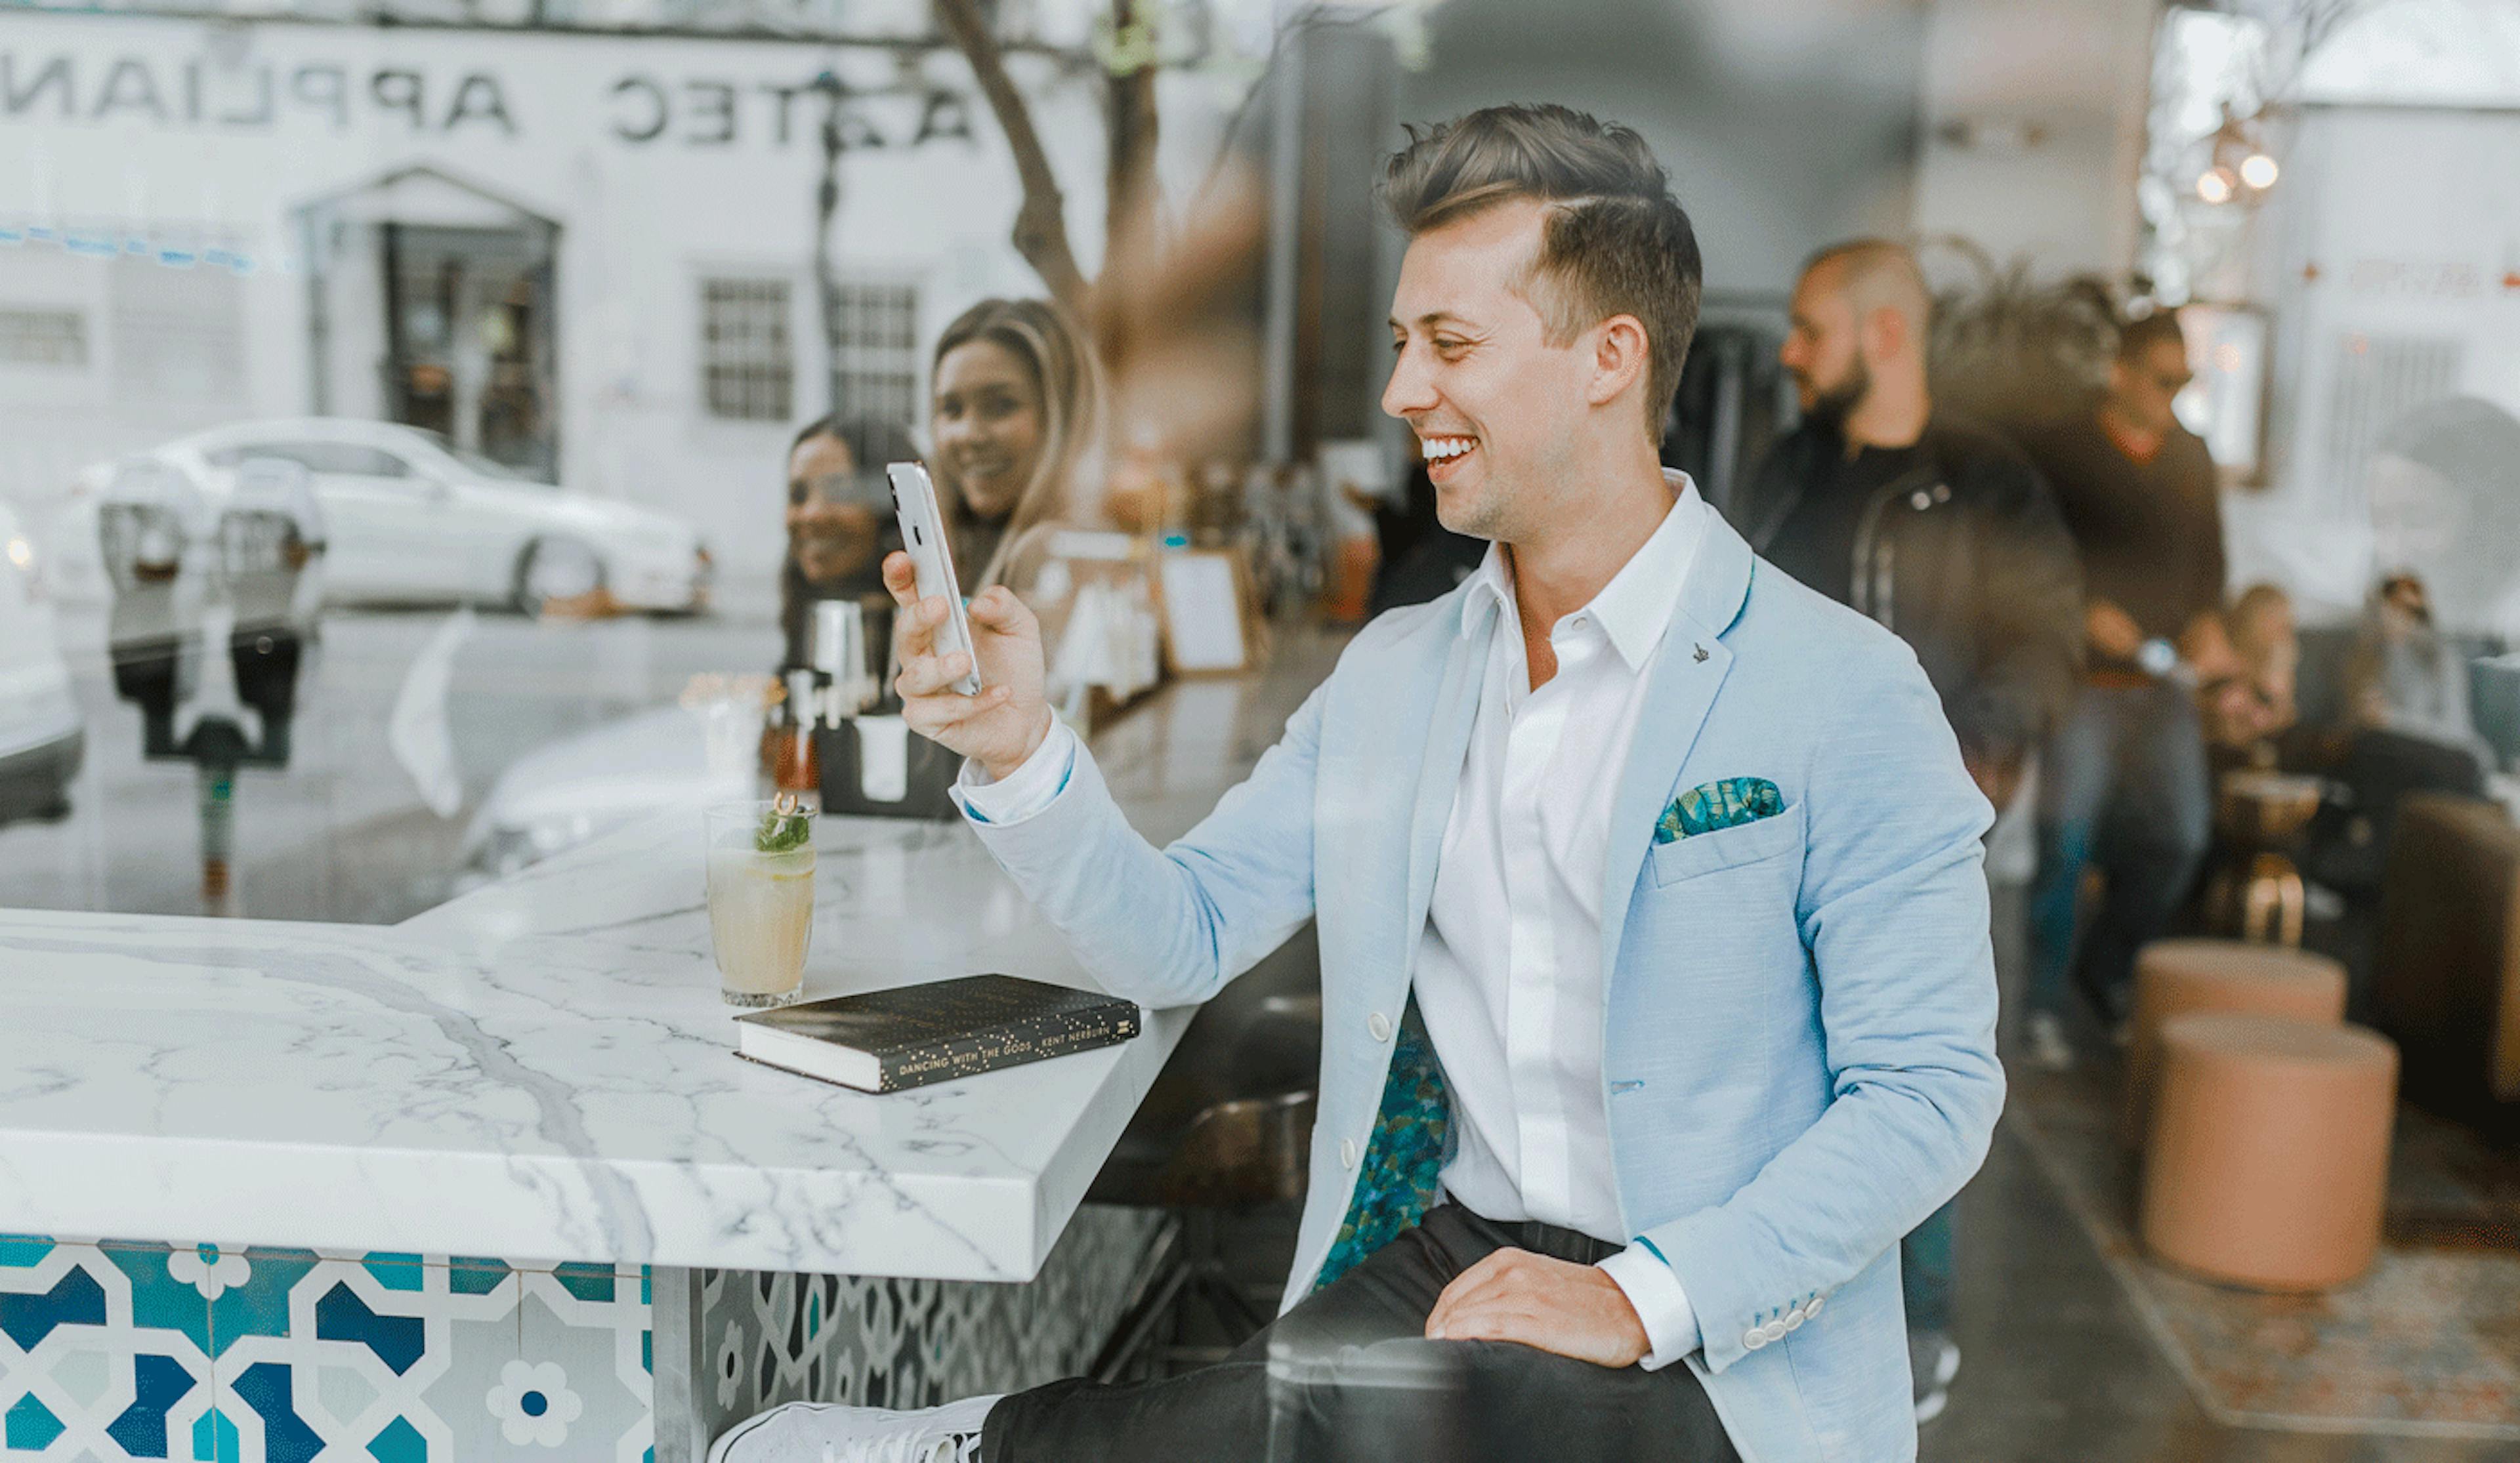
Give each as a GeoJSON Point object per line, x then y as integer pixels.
{"type": "Point", "coordinates": [543, 1069]}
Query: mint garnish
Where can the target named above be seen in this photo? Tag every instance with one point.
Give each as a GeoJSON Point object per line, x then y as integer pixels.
{"type": "Point", "coordinates": [782, 832]}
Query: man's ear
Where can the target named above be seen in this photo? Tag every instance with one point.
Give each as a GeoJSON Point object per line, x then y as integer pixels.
{"type": "Point", "coordinates": [1620, 358]}
{"type": "Point", "coordinates": [1885, 332]}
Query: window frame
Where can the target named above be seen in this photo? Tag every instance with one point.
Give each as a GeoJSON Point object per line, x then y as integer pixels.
{"type": "Point", "coordinates": [746, 374]}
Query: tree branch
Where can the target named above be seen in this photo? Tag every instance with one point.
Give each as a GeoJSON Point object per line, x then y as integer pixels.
{"type": "Point", "coordinates": [1040, 223]}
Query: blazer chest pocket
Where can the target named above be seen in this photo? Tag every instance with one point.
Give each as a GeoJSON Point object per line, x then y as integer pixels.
{"type": "Point", "coordinates": [1729, 848]}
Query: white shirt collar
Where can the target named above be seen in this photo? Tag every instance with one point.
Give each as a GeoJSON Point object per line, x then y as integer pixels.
{"type": "Point", "coordinates": [1635, 607]}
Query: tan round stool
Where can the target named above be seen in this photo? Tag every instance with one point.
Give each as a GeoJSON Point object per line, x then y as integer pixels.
{"type": "Point", "coordinates": [2268, 1161]}
{"type": "Point", "coordinates": [2172, 977]}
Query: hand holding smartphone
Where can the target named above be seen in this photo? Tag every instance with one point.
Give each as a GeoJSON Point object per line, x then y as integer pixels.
{"type": "Point", "coordinates": [922, 537]}
{"type": "Point", "coordinates": [998, 728]}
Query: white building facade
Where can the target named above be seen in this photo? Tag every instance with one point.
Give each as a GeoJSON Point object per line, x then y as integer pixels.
{"type": "Point", "coordinates": [587, 255]}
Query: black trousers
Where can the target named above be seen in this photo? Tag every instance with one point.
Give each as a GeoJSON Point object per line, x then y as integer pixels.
{"type": "Point", "coordinates": [1349, 1375]}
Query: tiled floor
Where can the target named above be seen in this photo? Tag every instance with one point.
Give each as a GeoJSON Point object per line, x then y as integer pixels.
{"type": "Point", "coordinates": [2058, 1364]}
{"type": "Point", "coordinates": [2056, 1361]}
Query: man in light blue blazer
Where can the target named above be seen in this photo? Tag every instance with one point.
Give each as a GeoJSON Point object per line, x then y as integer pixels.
{"type": "Point", "coordinates": [1657, 996]}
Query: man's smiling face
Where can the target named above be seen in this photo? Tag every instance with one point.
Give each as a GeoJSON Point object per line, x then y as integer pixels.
{"type": "Point", "coordinates": [1494, 406]}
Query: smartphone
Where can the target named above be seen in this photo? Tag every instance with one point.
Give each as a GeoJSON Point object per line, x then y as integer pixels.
{"type": "Point", "coordinates": [922, 535]}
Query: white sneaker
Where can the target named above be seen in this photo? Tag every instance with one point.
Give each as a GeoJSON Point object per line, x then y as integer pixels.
{"type": "Point", "coordinates": [1935, 1359]}
{"type": "Point", "coordinates": [2048, 1048]}
{"type": "Point", "coordinates": [831, 1433]}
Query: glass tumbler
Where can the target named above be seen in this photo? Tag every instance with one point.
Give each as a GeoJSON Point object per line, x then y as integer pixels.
{"type": "Point", "coordinates": [760, 899]}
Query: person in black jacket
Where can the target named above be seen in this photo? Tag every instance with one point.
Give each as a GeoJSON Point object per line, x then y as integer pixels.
{"type": "Point", "coordinates": [1944, 533]}
{"type": "Point", "coordinates": [1938, 529]}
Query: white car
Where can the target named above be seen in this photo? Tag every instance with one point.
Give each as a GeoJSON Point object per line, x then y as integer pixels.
{"type": "Point", "coordinates": [581, 787]}
{"type": "Point", "coordinates": [411, 517]}
{"type": "Point", "coordinates": [42, 736]}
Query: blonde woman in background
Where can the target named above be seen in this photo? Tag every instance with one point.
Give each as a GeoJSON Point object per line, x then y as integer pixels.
{"type": "Point", "coordinates": [1016, 415]}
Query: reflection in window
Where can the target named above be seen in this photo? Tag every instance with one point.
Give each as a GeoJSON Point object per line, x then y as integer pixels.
{"type": "Point", "coordinates": [43, 337]}
{"type": "Point", "coordinates": [341, 457]}
{"type": "Point", "coordinates": [178, 335]}
{"type": "Point", "coordinates": [875, 350]}
{"type": "Point", "coordinates": [748, 362]}
{"type": "Point", "coordinates": [2379, 380]}
{"type": "Point", "coordinates": [2226, 403]}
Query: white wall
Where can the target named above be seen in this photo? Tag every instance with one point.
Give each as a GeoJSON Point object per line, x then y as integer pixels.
{"type": "Point", "coordinates": [2394, 233]}
{"type": "Point", "coordinates": [1785, 127]}
{"type": "Point", "coordinates": [2034, 128]}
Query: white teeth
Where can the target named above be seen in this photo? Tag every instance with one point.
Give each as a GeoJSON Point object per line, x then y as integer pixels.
{"type": "Point", "coordinates": [1435, 448]}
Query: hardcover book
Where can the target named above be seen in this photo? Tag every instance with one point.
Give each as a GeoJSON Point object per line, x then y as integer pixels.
{"type": "Point", "coordinates": [911, 1035]}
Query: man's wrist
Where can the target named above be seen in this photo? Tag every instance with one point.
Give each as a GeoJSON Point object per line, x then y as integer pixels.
{"type": "Point", "coordinates": [999, 771]}
{"type": "Point", "coordinates": [1659, 1301]}
{"type": "Point", "coordinates": [1028, 791]}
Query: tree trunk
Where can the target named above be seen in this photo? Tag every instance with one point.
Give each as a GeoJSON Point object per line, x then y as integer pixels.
{"type": "Point", "coordinates": [1131, 225]}
{"type": "Point", "coordinates": [826, 284]}
{"type": "Point", "coordinates": [1130, 207]}
{"type": "Point", "coordinates": [1040, 223]}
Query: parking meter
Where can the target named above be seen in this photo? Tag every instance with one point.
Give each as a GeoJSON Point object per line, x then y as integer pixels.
{"type": "Point", "coordinates": [270, 549]}
{"type": "Point", "coordinates": [187, 578]}
{"type": "Point", "coordinates": [148, 522]}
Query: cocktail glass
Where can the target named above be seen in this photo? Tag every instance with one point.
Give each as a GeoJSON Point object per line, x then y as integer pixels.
{"type": "Point", "coordinates": [760, 899]}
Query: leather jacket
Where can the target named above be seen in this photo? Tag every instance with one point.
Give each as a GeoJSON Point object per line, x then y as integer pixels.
{"type": "Point", "coordinates": [1966, 558]}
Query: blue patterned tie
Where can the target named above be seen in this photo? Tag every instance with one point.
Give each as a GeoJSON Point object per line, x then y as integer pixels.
{"type": "Point", "coordinates": [1403, 1161]}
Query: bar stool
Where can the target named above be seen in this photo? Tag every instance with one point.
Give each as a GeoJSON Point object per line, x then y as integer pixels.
{"type": "Point", "coordinates": [2256, 892]}
{"type": "Point", "coordinates": [2269, 1161]}
{"type": "Point", "coordinates": [2172, 977]}
{"type": "Point", "coordinates": [1226, 1131]}
{"type": "Point", "coordinates": [1240, 1155]}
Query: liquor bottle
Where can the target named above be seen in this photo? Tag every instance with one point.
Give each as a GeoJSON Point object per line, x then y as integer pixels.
{"type": "Point", "coordinates": [798, 766]}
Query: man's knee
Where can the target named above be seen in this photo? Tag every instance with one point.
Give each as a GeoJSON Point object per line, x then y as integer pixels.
{"type": "Point", "coordinates": [1525, 1404]}
{"type": "Point", "coordinates": [1461, 1401]}
{"type": "Point", "coordinates": [1338, 1398]}
{"type": "Point", "coordinates": [1532, 1382]}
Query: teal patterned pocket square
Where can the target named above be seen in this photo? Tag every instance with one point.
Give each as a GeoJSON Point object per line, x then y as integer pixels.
{"type": "Point", "coordinates": [1726, 803]}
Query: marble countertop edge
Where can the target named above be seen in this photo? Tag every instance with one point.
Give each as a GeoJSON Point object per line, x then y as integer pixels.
{"type": "Point", "coordinates": [939, 1226]}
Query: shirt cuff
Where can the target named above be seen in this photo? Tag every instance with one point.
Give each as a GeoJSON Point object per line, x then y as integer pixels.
{"type": "Point", "coordinates": [1024, 793]}
{"type": "Point", "coordinates": [1653, 1288]}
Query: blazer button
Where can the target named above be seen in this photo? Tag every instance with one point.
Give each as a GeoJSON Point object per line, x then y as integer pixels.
{"type": "Point", "coordinates": [1755, 1338]}
{"type": "Point", "coordinates": [1378, 1027]}
{"type": "Point", "coordinates": [1811, 1308]}
{"type": "Point", "coordinates": [1347, 1153]}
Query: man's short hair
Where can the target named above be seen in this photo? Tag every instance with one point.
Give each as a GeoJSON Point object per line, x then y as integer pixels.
{"type": "Point", "coordinates": [1615, 243]}
{"type": "Point", "coordinates": [2138, 336]}
{"type": "Point", "coordinates": [1877, 273]}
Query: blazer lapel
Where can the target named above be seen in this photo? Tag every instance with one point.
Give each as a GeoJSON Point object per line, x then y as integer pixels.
{"type": "Point", "coordinates": [1680, 691]}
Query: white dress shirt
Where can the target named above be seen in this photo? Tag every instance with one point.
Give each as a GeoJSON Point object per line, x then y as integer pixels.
{"type": "Point", "coordinates": [1508, 972]}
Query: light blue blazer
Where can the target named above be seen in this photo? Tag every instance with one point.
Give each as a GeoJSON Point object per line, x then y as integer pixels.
{"type": "Point", "coordinates": [1799, 1024]}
